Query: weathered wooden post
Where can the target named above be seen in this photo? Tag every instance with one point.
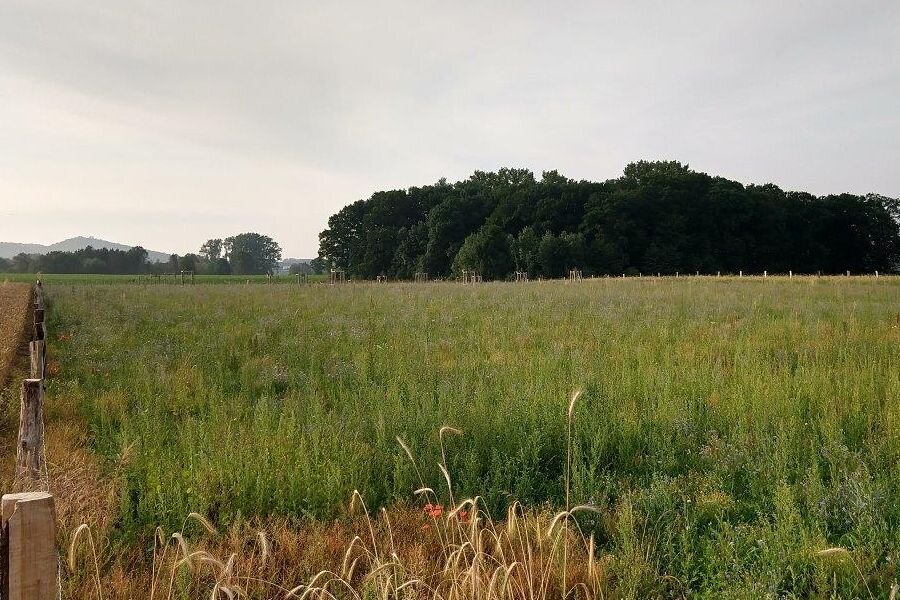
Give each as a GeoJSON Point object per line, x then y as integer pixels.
{"type": "Point", "coordinates": [29, 563]}
{"type": "Point", "coordinates": [29, 452]}
{"type": "Point", "coordinates": [38, 294]}
{"type": "Point", "coordinates": [40, 331]}
{"type": "Point", "coordinates": [36, 352]}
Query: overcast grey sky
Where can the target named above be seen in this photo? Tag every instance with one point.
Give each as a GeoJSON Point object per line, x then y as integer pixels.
{"type": "Point", "coordinates": [166, 123]}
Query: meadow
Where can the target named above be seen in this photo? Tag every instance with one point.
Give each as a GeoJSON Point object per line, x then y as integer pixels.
{"type": "Point", "coordinates": [728, 432]}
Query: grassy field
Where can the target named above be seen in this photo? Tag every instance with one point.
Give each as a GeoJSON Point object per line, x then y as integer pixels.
{"type": "Point", "coordinates": [728, 431]}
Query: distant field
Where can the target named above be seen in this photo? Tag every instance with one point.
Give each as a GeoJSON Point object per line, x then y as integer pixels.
{"type": "Point", "coordinates": [146, 279]}
{"type": "Point", "coordinates": [728, 429]}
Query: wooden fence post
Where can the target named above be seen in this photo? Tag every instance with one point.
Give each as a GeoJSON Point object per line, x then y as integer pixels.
{"type": "Point", "coordinates": [38, 363]}
{"type": "Point", "coordinates": [40, 330]}
{"type": "Point", "coordinates": [30, 564]}
{"type": "Point", "coordinates": [38, 295]}
{"type": "Point", "coordinates": [29, 460]}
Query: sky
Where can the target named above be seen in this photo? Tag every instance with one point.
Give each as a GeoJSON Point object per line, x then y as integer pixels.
{"type": "Point", "coordinates": [165, 123]}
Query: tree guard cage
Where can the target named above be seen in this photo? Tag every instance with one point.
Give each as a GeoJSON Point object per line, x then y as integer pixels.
{"type": "Point", "coordinates": [174, 277]}
{"type": "Point", "coordinates": [471, 277]}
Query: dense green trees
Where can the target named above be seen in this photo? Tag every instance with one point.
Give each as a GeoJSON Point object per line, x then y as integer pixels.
{"type": "Point", "coordinates": [657, 217]}
{"type": "Point", "coordinates": [487, 251]}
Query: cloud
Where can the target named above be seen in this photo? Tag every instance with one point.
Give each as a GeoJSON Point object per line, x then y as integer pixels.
{"type": "Point", "coordinates": [165, 122]}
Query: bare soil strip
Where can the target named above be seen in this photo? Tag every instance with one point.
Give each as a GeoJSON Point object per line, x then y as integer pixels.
{"type": "Point", "coordinates": [15, 302]}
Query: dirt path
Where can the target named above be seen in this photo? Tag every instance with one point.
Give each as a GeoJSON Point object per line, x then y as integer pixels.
{"type": "Point", "coordinates": [15, 304]}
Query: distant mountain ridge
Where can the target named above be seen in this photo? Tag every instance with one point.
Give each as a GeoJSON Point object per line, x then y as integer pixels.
{"type": "Point", "coordinates": [10, 249]}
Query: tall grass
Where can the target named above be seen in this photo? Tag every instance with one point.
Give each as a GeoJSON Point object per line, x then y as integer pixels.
{"type": "Point", "coordinates": [728, 430]}
{"type": "Point", "coordinates": [462, 553]}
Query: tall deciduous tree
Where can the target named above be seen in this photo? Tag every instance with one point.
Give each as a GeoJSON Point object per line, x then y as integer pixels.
{"type": "Point", "coordinates": [252, 254]}
{"type": "Point", "coordinates": [211, 250]}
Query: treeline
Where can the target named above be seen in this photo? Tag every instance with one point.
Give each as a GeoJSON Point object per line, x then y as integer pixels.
{"type": "Point", "coordinates": [657, 217]}
{"type": "Point", "coordinates": [244, 254]}
{"type": "Point", "coordinates": [88, 260]}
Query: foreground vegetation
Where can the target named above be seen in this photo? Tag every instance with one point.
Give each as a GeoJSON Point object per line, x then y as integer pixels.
{"type": "Point", "coordinates": [729, 432]}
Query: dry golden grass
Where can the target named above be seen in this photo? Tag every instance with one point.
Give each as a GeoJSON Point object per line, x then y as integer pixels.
{"type": "Point", "coordinates": [401, 553]}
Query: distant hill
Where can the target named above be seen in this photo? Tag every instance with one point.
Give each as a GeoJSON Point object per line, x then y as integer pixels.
{"type": "Point", "coordinates": [10, 249]}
